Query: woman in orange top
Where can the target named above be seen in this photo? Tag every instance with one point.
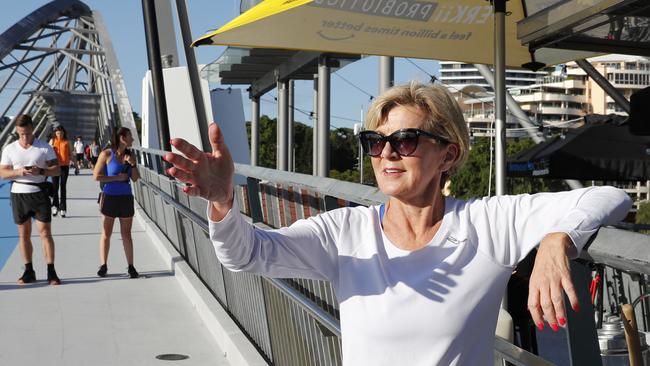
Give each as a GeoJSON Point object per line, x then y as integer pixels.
{"type": "Point", "coordinates": [62, 149]}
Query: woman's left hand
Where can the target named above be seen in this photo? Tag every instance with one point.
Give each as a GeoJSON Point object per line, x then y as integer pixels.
{"type": "Point", "coordinates": [550, 278]}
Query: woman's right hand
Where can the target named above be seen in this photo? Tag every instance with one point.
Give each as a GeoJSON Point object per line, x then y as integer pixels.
{"type": "Point", "coordinates": [210, 174]}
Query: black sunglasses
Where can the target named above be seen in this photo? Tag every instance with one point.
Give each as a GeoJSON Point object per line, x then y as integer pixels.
{"type": "Point", "coordinates": [403, 141]}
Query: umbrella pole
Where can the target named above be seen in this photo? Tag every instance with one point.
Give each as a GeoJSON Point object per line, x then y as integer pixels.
{"type": "Point", "coordinates": [255, 130]}
{"type": "Point", "coordinates": [323, 117]}
{"type": "Point", "coordinates": [500, 94]}
{"type": "Point", "coordinates": [386, 73]}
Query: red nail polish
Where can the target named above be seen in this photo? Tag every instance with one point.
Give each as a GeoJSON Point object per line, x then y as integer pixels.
{"type": "Point", "coordinates": [554, 327]}
{"type": "Point", "coordinates": [540, 326]}
{"type": "Point", "coordinates": [562, 321]}
{"type": "Point", "coordinates": [185, 189]}
{"type": "Point", "coordinates": [164, 158]}
{"type": "Point", "coordinates": [576, 308]}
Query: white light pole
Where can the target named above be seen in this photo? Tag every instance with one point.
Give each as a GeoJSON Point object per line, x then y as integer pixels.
{"type": "Point", "coordinates": [357, 128]}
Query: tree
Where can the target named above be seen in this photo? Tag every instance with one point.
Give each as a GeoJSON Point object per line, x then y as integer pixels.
{"type": "Point", "coordinates": [138, 124]}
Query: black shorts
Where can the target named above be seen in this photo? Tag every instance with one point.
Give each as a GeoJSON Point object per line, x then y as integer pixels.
{"type": "Point", "coordinates": [116, 206]}
{"type": "Point", "coordinates": [27, 205]}
{"type": "Point", "coordinates": [80, 157]}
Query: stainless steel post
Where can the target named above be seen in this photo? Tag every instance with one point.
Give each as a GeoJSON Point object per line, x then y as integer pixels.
{"type": "Point", "coordinates": [255, 130]}
{"type": "Point", "coordinates": [314, 150]}
{"type": "Point", "coordinates": [323, 117]}
{"type": "Point", "coordinates": [386, 73]}
{"type": "Point", "coordinates": [281, 128]}
{"type": "Point", "coordinates": [290, 120]}
{"type": "Point", "coordinates": [500, 95]}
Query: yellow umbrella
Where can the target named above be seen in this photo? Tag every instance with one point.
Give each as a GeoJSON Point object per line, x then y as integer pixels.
{"type": "Point", "coordinates": [458, 30]}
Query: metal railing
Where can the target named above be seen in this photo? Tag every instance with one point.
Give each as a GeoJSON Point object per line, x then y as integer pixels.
{"type": "Point", "coordinates": [295, 321]}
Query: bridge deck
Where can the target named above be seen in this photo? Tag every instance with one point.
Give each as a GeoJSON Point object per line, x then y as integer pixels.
{"type": "Point", "coordinates": [90, 320]}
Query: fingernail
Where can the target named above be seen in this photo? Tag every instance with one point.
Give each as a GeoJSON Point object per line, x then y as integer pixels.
{"type": "Point", "coordinates": [164, 158]}
{"type": "Point", "coordinates": [554, 327]}
{"type": "Point", "coordinates": [169, 171]}
{"type": "Point", "coordinates": [576, 308]}
{"type": "Point", "coordinates": [540, 326]}
{"type": "Point", "coordinates": [185, 189]}
{"type": "Point", "coordinates": [562, 321]}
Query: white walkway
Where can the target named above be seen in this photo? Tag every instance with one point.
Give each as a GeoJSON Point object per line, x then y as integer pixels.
{"type": "Point", "coordinates": [90, 320]}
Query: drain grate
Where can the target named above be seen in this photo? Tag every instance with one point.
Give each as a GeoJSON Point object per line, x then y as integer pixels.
{"type": "Point", "coordinates": [172, 357]}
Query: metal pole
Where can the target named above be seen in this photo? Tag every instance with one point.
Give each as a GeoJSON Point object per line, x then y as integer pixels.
{"type": "Point", "coordinates": [386, 73]}
{"type": "Point", "coordinates": [195, 81]}
{"type": "Point", "coordinates": [281, 128]}
{"type": "Point", "coordinates": [255, 130]}
{"type": "Point", "coordinates": [358, 127]}
{"type": "Point", "coordinates": [500, 97]}
{"type": "Point", "coordinates": [314, 150]}
{"type": "Point", "coordinates": [323, 117]}
{"type": "Point", "coordinates": [155, 65]}
{"type": "Point", "coordinates": [290, 119]}
{"type": "Point", "coordinates": [605, 84]}
{"type": "Point", "coordinates": [521, 116]}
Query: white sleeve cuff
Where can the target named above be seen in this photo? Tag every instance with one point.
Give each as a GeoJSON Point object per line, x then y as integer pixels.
{"type": "Point", "coordinates": [229, 216]}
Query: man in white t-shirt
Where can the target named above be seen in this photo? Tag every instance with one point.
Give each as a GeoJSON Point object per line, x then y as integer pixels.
{"type": "Point", "coordinates": [79, 154]}
{"type": "Point", "coordinates": [28, 162]}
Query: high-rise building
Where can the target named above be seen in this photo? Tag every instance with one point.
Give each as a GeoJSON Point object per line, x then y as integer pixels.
{"type": "Point", "coordinates": [458, 75]}
{"type": "Point", "coordinates": [558, 98]}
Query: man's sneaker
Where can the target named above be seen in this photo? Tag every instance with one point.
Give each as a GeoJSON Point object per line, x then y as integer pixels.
{"type": "Point", "coordinates": [132, 272]}
{"type": "Point", "coordinates": [102, 270]}
{"type": "Point", "coordinates": [62, 213]}
{"type": "Point", "coordinates": [29, 276]}
{"type": "Point", "coordinates": [55, 210]}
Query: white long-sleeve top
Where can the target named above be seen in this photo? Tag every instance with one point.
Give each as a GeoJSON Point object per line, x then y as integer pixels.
{"type": "Point", "coordinates": [434, 306]}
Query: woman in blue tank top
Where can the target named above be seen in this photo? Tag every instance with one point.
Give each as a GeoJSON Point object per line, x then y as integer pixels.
{"type": "Point", "coordinates": [115, 169]}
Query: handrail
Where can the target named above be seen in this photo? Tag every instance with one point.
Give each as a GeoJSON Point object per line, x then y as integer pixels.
{"type": "Point", "coordinates": [631, 254]}
{"type": "Point", "coordinates": [327, 186]}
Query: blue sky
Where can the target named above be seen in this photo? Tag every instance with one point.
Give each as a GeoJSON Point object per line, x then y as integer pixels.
{"type": "Point", "coordinates": [124, 21]}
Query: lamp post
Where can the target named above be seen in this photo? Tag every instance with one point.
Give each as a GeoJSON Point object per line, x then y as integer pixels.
{"type": "Point", "coordinates": [357, 128]}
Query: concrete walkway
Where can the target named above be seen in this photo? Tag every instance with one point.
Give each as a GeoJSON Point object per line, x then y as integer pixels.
{"type": "Point", "coordinates": [90, 320]}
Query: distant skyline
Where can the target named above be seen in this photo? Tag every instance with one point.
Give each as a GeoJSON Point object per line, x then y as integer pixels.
{"type": "Point", "coordinates": [126, 29]}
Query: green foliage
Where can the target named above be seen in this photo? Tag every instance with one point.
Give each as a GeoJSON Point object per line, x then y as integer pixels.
{"type": "Point", "coordinates": [138, 124]}
{"type": "Point", "coordinates": [343, 148]}
{"type": "Point", "coordinates": [473, 179]}
{"type": "Point", "coordinates": [643, 213]}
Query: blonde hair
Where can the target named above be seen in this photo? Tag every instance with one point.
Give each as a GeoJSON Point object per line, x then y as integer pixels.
{"type": "Point", "coordinates": [443, 115]}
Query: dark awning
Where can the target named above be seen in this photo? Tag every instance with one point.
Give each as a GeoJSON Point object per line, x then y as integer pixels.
{"type": "Point", "coordinates": [599, 150]}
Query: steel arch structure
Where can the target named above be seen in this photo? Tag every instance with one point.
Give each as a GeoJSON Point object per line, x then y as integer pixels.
{"type": "Point", "coordinates": [58, 65]}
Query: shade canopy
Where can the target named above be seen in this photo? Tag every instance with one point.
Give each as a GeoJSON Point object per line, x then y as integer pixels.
{"type": "Point", "coordinates": [457, 30]}
{"type": "Point", "coordinates": [602, 150]}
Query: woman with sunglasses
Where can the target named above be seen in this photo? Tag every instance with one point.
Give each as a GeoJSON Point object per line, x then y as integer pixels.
{"type": "Point", "coordinates": [420, 278]}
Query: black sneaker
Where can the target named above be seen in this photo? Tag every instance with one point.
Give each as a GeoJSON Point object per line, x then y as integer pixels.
{"type": "Point", "coordinates": [52, 278]}
{"type": "Point", "coordinates": [132, 272]}
{"type": "Point", "coordinates": [102, 270]}
{"type": "Point", "coordinates": [29, 276]}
